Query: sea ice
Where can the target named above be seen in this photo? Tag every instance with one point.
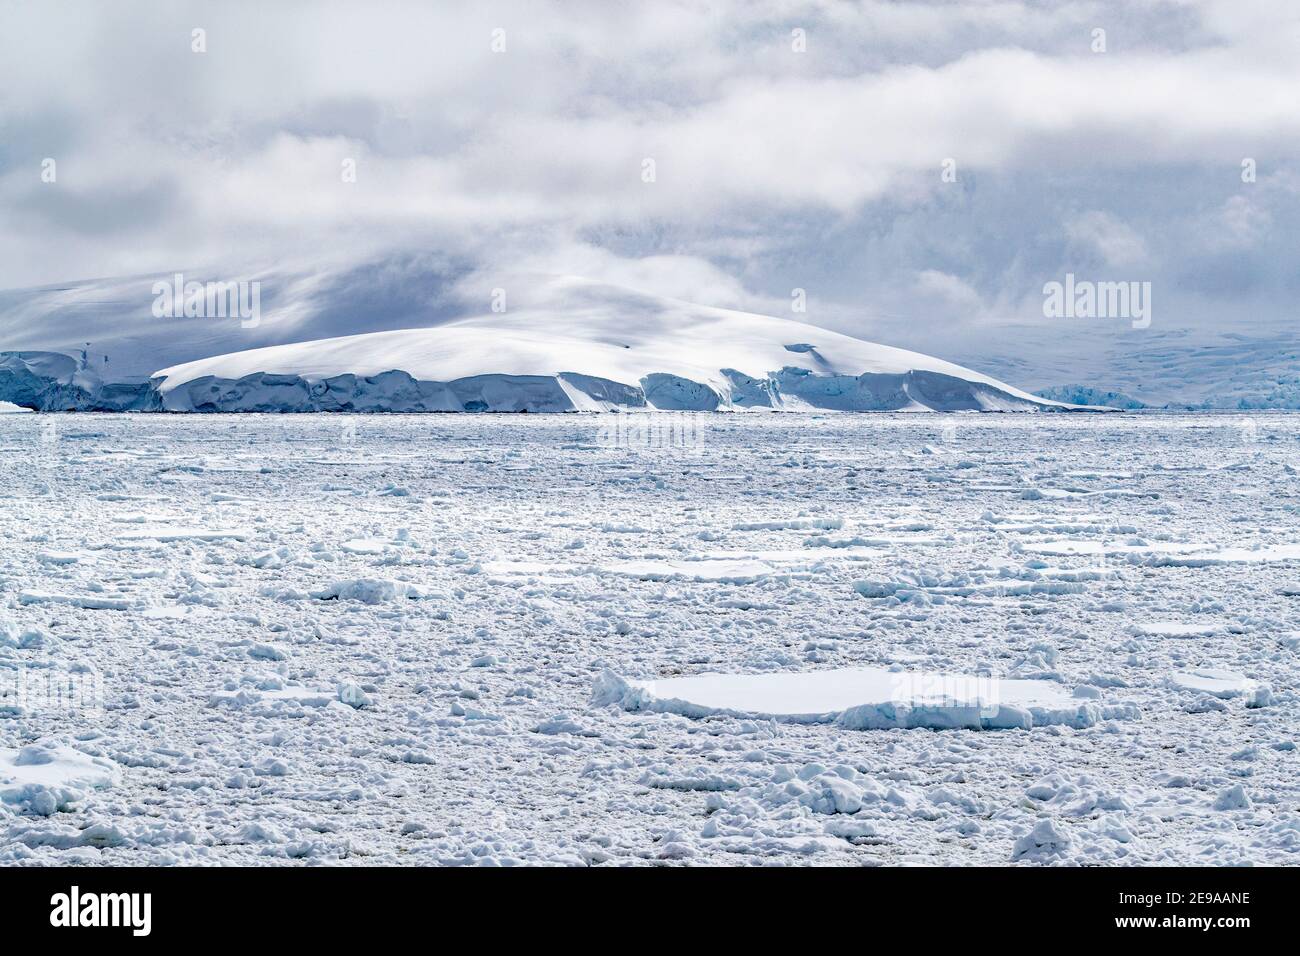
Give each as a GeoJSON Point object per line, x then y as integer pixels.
{"type": "Point", "coordinates": [860, 698]}
{"type": "Point", "coordinates": [44, 778]}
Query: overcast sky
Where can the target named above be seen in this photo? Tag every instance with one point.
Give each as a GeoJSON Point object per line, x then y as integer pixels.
{"type": "Point", "coordinates": [773, 168]}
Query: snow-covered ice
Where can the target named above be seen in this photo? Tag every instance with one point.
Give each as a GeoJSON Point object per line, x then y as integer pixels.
{"type": "Point", "coordinates": [1215, 682]}
{"type": "Point", "coordinates": [375, 639]}
{"type": "Point", "coordinates": [861, 698]}
{"type": "Point", "coordinates": [44, 779]}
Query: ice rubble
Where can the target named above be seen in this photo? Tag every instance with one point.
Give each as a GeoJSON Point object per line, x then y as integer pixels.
{"type": "Point", "coordinates": [481, 684]}
{"type": "Point", "coordinates": [369, 591]}
{"type": "Point", "coordinates": [588, 349]}
{"type": "Point", "coordinates": [861, 698]}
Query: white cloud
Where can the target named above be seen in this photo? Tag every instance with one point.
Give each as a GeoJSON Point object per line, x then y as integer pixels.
{"type": "Point", "coordinates": [1239, 222]}
{"type": "Point", "coordinates": [1117, 243]}
{"type": "Point", "coordinates": [949, 294]}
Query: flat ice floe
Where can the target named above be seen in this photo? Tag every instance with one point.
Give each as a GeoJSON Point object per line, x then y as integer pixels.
{"type": "Point", "coordinates": [737, 571]}
{"type": "Point", "coordinates": [1212, 557]}
{"type": "Point", "coordinates": [364, 546]}
{"type": "Point", "coordinates": [43, 779]}
{"type": "Point", "coordinates": [860, 698]}
{"type": "Point", "coordinates": [1215, 682]}
{"type": "Point", "coordinates": [1176, 629]}
{"type": "Point", "coordinates": [63, 558]}
{"type": "Point", "coordinates": [186, 534]}
{"type": "Point", "coordinates": [1170, 554]}
{"type": "Point", "coordinates": [95, 602]}
{"type": "Point", "coordinates": [274, 695]}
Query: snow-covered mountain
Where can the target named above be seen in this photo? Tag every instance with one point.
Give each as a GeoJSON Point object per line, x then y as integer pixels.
{"type": "Point", "coordinates": [605, 348]}
{"type": "Point", "coordinates": [575, 345]}
{"type": "Point", "coordinates": [580, 346]}
{"type": "Point", "coordinates": [112, 320]}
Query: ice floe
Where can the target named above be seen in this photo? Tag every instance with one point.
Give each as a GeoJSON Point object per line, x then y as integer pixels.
{"type": "Point", "coordinates": [296, 685]}
{"type": "Point", "coordinates": [1215, 682]}
{"type": "Point", "coordinates": [1176, 629]}
{"type": "Point", "coordinates": [861, 698]}
{"type": "Point", "coordinates": [44, 779]}
{"type": "Point", "coordinates": [186, 534]}
{"type": "Point", "coordinates": [738, 571]}
{"type": "Point", "coordinates": [96, 602]}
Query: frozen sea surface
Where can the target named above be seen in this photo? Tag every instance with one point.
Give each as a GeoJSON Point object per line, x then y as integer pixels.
{"type": "Point", "coordinates": [392, 639]}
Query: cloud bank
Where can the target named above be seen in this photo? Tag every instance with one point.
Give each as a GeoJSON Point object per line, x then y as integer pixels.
{"type": "Point", "coordinates": [919, 169]}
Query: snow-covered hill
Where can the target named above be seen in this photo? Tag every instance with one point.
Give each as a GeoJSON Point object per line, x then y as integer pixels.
{"type": "Point", "coordinates": [606, 348]}
{"type": "Point", "coordinates": [590, 347]}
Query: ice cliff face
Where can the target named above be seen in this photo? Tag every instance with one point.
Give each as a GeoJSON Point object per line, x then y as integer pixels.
{"type": "Point", "coordinates": [53, 382]}
{"type": "Point", "coordinates": [397, 391]}
{"type": "Point", "coordinates": [47, 381]}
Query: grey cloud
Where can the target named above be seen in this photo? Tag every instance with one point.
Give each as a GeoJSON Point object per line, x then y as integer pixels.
{"type": "Point", "coordinates": [109, 212]}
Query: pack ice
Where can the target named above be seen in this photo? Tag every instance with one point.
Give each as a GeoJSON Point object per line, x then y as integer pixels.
{"type": "Point", "coordinates": [843, 639]}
